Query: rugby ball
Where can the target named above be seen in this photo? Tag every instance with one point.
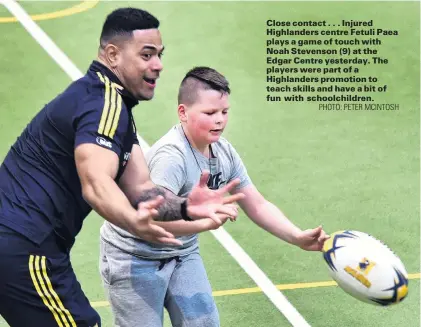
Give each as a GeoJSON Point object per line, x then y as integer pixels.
{"type": "Point", "coordinates": [365, 268]}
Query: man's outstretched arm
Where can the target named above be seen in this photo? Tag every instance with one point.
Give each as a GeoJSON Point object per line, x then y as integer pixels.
{"type": "Point", "coordinates": [97, 168]}
{"type": "Point", "coordinates": [170, 209]}
{"type": "Point", "coordinates": [272, 219]}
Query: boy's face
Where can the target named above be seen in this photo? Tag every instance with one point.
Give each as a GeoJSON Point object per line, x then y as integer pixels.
{"type": "Point", "coordinates": [207, 117]}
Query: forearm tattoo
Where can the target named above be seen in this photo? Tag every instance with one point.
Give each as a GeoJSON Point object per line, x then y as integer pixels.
{"type": "Point", "coordinates": [167, 211]}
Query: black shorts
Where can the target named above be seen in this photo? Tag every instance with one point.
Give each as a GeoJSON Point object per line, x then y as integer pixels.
{"type": "Point", "coordinates": [38, 286]}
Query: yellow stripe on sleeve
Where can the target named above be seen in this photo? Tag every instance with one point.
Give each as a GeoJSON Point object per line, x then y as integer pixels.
{"type": "Point", "coordinates": [100, 77]}
{"type": "Point", "coordinates": [112, 107]}
{"type": "Point", "coordinates": [111, 112]}
{"type": "Point", "coordinates": [117, 86]}
{"type": "Point", "coordinates": [117, 116]}
{"type": "Point", "coordinates": [106, 107]}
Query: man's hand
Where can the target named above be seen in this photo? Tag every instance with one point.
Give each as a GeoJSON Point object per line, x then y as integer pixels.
{"type": "Point", "coordinates": [312, 239]}
{"type": "Point", "coordinates": [203, 202]}
{"type": "Point", "coordinates": [143, 226]}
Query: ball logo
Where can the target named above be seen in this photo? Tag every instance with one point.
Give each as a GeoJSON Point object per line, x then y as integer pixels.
{"type": "Point", "coordinates": [103, 142]}
{"type": "Point", "coordinates": [361, 271]}
{"type": "Point", "coordinates": [365, 266]}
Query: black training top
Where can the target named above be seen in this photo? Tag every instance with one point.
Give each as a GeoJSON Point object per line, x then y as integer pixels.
{"type": "Point", "coordinates": [40, 191]}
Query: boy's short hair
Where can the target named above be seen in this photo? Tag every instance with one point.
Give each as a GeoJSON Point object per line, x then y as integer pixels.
{"type": "Point", "coordinates": [123, 21]}
{"type": "Point", "coordinates": [201, 78]}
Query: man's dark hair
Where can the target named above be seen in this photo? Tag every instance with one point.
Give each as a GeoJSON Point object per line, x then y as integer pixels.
{"type": "Point", "coordinates": [123, 21]}
{"type": "Point", "coordinates": [201, 78]}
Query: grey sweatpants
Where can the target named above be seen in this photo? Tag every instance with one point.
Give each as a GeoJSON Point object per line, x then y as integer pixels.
{"type": "Point", "coordinates": [139, 289]}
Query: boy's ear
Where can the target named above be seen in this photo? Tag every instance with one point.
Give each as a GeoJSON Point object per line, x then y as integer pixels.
{"type": "Point", "coordinates": [182, 113]}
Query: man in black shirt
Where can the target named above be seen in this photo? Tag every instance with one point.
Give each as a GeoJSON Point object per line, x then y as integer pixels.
{"type": "Point", "coordinates": [81, 152]}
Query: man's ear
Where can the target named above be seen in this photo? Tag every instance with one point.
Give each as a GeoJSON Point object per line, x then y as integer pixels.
{"type": "Point", "coordinates": [112, 54]}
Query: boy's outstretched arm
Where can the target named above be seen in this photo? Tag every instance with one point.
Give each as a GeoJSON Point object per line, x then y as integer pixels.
{"type": "Point", "coordinates": [269, 217]}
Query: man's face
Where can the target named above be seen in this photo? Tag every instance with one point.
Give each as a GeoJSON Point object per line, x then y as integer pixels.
{"type": "Point", "coordinates": [208, 116]}
{"type": "Point", "coordinates": [140, 63]}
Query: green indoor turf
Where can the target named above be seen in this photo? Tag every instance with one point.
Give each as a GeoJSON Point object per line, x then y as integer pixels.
{"type": "Point", "coordinates": [346, 170]}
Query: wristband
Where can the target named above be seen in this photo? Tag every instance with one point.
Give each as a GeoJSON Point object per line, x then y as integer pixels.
{"type": "Point", "coordinates": [183, 210]}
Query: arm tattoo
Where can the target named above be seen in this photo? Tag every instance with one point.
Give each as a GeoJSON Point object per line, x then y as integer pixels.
{"type": "Point", "coordinates": [170, 209]}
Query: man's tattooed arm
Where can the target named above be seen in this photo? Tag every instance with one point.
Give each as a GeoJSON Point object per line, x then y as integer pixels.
{"type": "Point", "coordinates": [171, 209]}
